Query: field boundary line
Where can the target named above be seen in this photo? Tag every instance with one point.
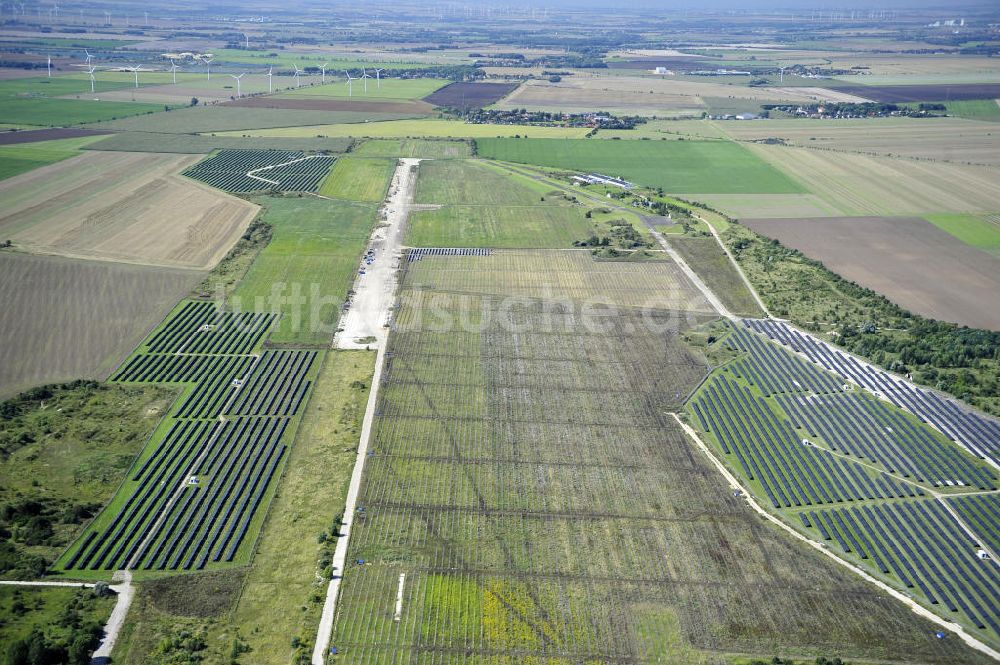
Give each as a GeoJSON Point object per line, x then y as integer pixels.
{"type": "Point", "coordinates": [252, 173]}
{"type": "Point", "coordinates": [912, 604]}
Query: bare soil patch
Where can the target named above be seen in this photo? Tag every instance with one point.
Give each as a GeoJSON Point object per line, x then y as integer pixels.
{"type": "Point", "coordinates": [35, 135]}
{"type": "Point", "coordinates": [908, 260]}
{"type": "Point", "coordinates": [65, 319]}
{"type": "Point", "coordinates": [122, 206]}
{"type": "Point", "coordinates": [923, 93]}
{"type": "Point", "coordinates": [470, 95]}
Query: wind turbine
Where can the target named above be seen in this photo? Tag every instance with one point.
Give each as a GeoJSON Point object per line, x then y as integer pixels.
{"type": "Point", "coordinates": [378, 78]}
{"type": "Point", "coordinates": [89, 57]}
{"type": "Point", "coordinates": [238, 92]}
{"type": "Point", "coordinates": [350, 84]}
{"type": "Point", "coordinates": [297, 70]}
{"type": "Point", "coordinates": [147, 19]}
{"type": "Point", "coordinates": [135, 70]}
{"type": "Point", "coordinates": [208, 67]}
{"type": "Point", "coordinates": [107, 18]}
{"type": "Point", "coordinates": [269, 70]}
{"type": "Point", "coordinates": [246, 37]}
{"type": "Point", "coordinates": [781, 73]}
{"type": "Point", "coordinates": [49, 66]}
{"type": "Point", "coordinates": [365, 77]}
{"type": "Point", "coordinates": [173, 70]}
{"type": "Point", "coordinates": [91, 71]}
{"type": "Point", "coordinates": [323, 69]}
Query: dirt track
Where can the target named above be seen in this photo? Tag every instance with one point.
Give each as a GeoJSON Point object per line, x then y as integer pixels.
{"type": "Point", "coordinates": [908, 260]}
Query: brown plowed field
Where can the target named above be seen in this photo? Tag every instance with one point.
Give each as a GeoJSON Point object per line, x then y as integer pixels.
{"type": "Point", "coordinates": [65, 319]}
{"type": "Point", "coordinates": [908, 260]}
{"type": "Point", "coordinates": [470, 95]}
{"type": "Point", "coordinates": [122, 206]}
{"type": "Point", "coordinates": [321, 104]}
{"type": "Point", "coordinates": [896, 94]}
{"type": "Point", "coordinates": [10, 138]}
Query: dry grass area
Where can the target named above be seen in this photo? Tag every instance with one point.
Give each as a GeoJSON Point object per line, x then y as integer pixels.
{"type": "Point", "coordinates": [944, 139]}
{"type": "Point", "coordinates": [634, 94]}
{"type": "Point", "coordinates": [122, 206]}
{"type": "Point", "coordinates": [861, 185]}
{"type": "Point", "coordinates": [895, 256]}
{"type": "Point", "coordinates": [65, 319]}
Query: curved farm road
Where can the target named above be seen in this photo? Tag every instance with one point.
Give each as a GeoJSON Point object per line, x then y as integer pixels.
{"type": "Point", "coordinates": [374, 295]}
{"type": "Point", "coordinates": [912, 604]}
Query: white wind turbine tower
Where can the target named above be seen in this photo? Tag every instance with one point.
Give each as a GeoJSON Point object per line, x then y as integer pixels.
{"type": "Point", "coordinates": [323, 69]}
{"type": "Point", "coordinates": [246, 38]}
{"type": "Point", "coordinates": [239, 93]}
{"type": "Point", "coordinates": [89, 57]}
{"type": "Point", "coordinates": [269, 70]}
{"type": "Point", "coordinates": [365, 77]}
{"type": "Point", "coordinates": [297, 71]}
{"type": "Point", "coordinates": [91, 71]}
{"type": "Point", "coordinates": [107, 18]}
{"type": "Point", "coordinates": [378, 78]}
{"type": "Point", "coordinates": [173, 70]}
{"type": "Point", "coordinates": [350, 84]}
{"type": "Point", "coordinates": [49, 66]}
{"type": "Point", "coordinates": [135, 70]}
{"type": "Point", "coordinates": [781, 73]}
{"type": "Point", "coordinates": [208, 67]}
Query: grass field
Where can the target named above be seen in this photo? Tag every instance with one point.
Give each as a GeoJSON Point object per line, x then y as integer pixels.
{"type": "Point", "coordinates": [120, 206]}
{"type": "Point", "coordinates": [678, 167]}
{"type": "Point", "coordinates": [428, 149]}
{"type": "Point", "coordinates": [67, 319]}
{"type": "Point", "coordinates": [390, 88]}
{"type": "Point", "coordinates": [485, 207]}
{"type": "Point", "coordinates": [427, 128]}
{"type": "Point", "coordinates": [707, 259]}
{"type": "Point", "coordinates": [315, 251]}
{"type": "Point", "coordinates": [44, 112]}
{"type": "Point", "coordinates": [237, 121]}
{"type": "Point", "coordinates": [982, 231]}
{"type": "Point", "coordinates": [358, 179]}
{"type": "Point", "coordinates": [975, 109]}
{"type": "Point", "coordinates": [862, 185]}
{"type": "Point", "coordinates": [200, 144]}
{"type": "Point", "coordinates": [20, 158]}
{"type": "Point", "coordinates": [290, 569]}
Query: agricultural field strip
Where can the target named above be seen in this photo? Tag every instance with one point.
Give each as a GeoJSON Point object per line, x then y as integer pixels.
{"type": "Point", "coordinates": [420, 390]}
{"type": "Point", "coordinates": [796, 473]}
{"type": "Point", "coordinates": [193, 498]}
{"type": "Point", "coordinates": [979, 433]}
{"type": "Point", "coordinates": [238, 170]}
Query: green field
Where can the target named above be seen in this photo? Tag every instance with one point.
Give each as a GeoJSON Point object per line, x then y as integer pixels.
{"type": "Point", "coordinates": [57, 86]}
{"type": "Point", "coordinates": [975, 109]}
{"type": "Point", "coordinates": [428, 149]}
{"type": "Point", "coordinates": [45, 112]}
{"type": "Point", "coordinates": [706, 258]}
{"type": "Point", "coordinates": [425, 128]}
{"type": "Point", "coordinates": [290, 59]}
{"type": "Point", "coordinates": [485, 207]}
{"type": "Point", "coordinates": [358, 179]}
{"type": "Point", "coordinates": [239, 121]}
{"type": "Point", "coordinates": [201, 144]}
{"type": "Point", "coordinates": [682, 167]}
{"type": "Point", "coordinates": [22, 157]}
{"type": "Point", "coordinates": [317, 244]}
{"type": "Point", "coordinates": [389, 88]}
{"type": "Point", "coordinates": [982, 231]}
